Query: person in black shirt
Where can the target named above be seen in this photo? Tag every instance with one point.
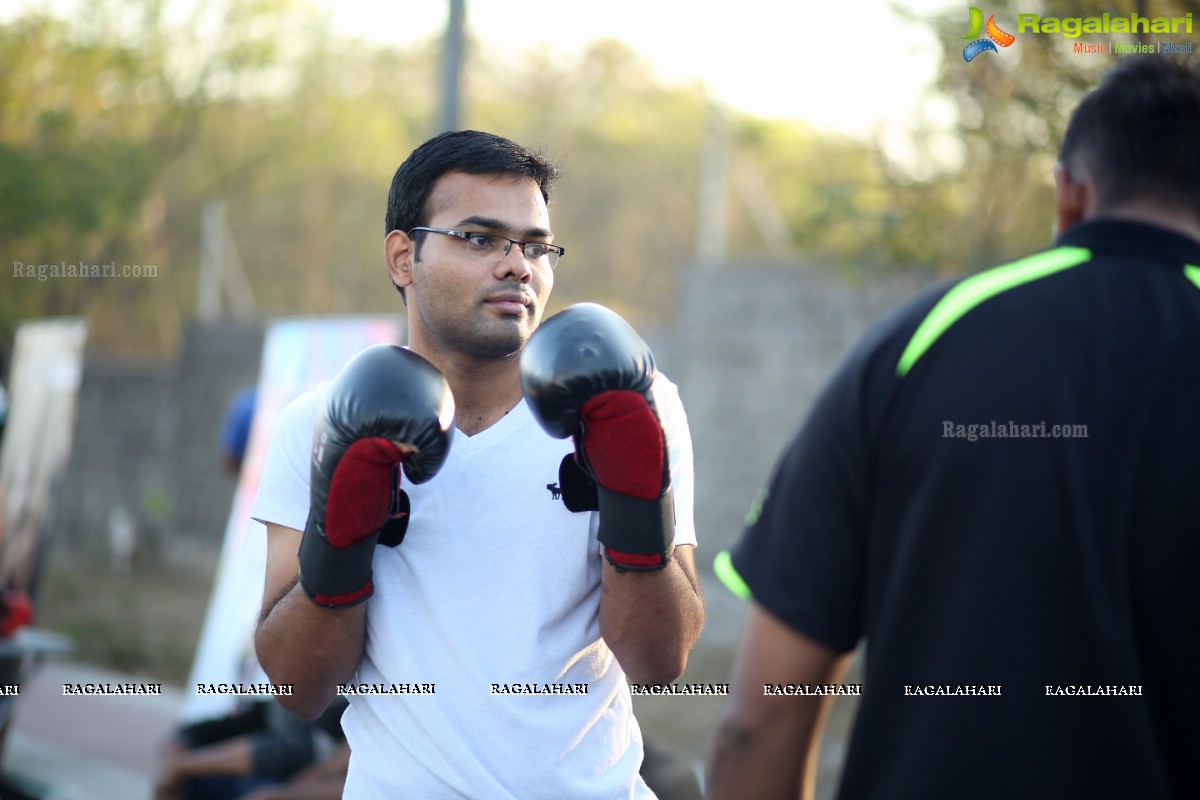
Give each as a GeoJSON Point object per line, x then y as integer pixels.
{"type": "Point", "coordinates": [999, 490]}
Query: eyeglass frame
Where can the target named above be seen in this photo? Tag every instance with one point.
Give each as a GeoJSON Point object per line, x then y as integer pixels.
{"type": "Point", "coordinates": [462, 236]}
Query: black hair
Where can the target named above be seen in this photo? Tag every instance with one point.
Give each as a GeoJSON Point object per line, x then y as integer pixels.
{"type": "Point", "coordinates": [1137, 135]}
{"type": "Point", "coordinates": [472, 152]}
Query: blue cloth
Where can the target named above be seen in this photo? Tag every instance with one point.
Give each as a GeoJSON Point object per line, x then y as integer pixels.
{"type": "Point", "coordinates": [235, 430]}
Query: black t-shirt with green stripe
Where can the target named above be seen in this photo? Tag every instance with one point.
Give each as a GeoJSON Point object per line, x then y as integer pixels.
{"type": "Point", "coordinates": [931, 505]}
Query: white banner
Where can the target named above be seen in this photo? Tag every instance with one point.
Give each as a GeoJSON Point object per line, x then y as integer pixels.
{"type": "Point", "coordinates": [297, 355]}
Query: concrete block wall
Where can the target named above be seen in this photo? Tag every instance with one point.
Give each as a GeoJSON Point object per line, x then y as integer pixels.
{"type": "Point", "coordinates": [216, 362]}
{"type": "Point", "coordinates": [147, 439]}
{"type": "Point", "coordinates": [752, 347]}
{"type": "Point", "coordinates": [119, 453]}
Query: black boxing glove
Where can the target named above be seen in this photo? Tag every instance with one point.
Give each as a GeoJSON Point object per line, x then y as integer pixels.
{"type": "Point", "coordinates": [387, 407]}
{"type": "Point", "coordinates": [587, 374]}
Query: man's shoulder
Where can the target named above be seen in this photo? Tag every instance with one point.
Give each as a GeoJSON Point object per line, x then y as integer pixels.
{"type": "Point", "coordinates": [300, 414]}
{"type": "Point", "coordinates": [878, 350]}
{"type": "Point", "coordinates": [309, 400]}
{"type": "Point", "coordinates": [664, 384]}
{"type": "Point", "coordinates": [666, 395]}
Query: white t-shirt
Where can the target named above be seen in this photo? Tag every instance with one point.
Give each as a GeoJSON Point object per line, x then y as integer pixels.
{"type": "Point", "coordinates": [496, 582]}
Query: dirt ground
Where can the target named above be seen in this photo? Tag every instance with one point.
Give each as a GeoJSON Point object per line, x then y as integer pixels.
{"type": "Point", "coordinates": [144, 623]}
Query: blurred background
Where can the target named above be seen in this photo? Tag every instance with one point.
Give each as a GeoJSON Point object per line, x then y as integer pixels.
{"type": "Point", "coordinates": [750, 185]}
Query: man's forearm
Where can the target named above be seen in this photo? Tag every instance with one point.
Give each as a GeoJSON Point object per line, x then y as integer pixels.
{"type": "Point", "coordinates": [650, 620]}
{"type": "Point", "coordinates": [766, 747]}
{"type": "Point", "coordinates": [760, 762]}
{"type": "Point", "coordinates": [313, 648]}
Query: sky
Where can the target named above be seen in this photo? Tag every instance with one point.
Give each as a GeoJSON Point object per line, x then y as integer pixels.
{"type": "Point", "coordinates": [847, 68]}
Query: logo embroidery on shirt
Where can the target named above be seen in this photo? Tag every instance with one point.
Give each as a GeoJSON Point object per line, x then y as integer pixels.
{"type": "Point", "coordinates": [555, 491]}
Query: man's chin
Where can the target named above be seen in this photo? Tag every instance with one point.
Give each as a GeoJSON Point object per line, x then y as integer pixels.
{"type": "Point", "coordinates": [502, 344]}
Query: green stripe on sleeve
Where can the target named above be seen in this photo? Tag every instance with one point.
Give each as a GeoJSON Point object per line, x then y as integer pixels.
{"type": "Point", "coordinates": [976, 289]}
{"type": "Point", "coordinates": [723, 566]}
{"type": "Point", "coordinates": [1193, 274]}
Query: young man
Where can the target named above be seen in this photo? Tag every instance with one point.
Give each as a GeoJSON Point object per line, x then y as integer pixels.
{"type": "Point", "coordinates": [504, 610]}
{"type": "Point", "coordinates": [998, 491]}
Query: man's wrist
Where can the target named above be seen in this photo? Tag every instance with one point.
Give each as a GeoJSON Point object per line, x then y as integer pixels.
{"type": "Point", "coordinates": [335, 576]}
{"type": "Point", "coordinates": [637, 534]}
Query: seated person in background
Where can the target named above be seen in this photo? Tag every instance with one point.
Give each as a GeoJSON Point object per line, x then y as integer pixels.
{"type": "Point", "coordinates": [324, 780]}
{"type": "Point", "coordinates": [260, 746]}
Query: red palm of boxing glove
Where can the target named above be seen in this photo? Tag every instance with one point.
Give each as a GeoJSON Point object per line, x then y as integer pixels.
{"type": "Point", "coordinates": [365, 493]}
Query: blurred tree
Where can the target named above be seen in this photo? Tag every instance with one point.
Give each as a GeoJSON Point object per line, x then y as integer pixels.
{"type": "Point", "coordinates": [81, 139]}
{"type": "Point", "coordinates": [828, 191]}
{"type": "Point", "coordinates": [306, 174]}
{"type": "Point", "coordinates": [630, 147]}
{"type": "Point", "coordinates": [995, 201]}
{"type": "Point", "coordinates": [114, 135]}
{"type": "Point", "coordinates": [93, 114]}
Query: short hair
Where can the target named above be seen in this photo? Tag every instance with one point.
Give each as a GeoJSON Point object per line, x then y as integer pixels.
{"type": "Point", "coordinates": [1137, 135]}
{"type": "Point", "coordinates": [472, 152]}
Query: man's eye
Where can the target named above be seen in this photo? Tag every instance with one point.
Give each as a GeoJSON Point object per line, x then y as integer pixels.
{"type": "Point", "coordinates": [479, 240]}
{"type": "Point", "coordinates": [535, 250]}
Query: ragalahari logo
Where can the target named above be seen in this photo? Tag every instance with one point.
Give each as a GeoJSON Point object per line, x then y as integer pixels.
{"type": "Point", "coordinates": [995, 36]}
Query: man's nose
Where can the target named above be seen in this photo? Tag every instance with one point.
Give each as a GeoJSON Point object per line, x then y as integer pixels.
{"type": "Point", "coordinates": [514, 262]}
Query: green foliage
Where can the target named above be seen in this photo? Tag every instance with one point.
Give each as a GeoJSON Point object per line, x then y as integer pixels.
{"type": "Point", "coordinates": [92, 120]}
{"type": "Point", "coordinates": [1011, 109]}
{"type": "Point", "coordinates": [829, 191]}
{"type": "Point", "coordinates": [630, 149]}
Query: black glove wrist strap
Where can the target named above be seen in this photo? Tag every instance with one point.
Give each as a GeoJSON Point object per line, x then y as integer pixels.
{"type": "Point", "coordinates": [335, 576]}
{"type": "Point", "coordinates": [637, 534]}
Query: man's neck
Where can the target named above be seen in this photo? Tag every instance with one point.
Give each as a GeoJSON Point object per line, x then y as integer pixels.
{"type": "Point", "coordinates": [484, 389]}
{"type": "Point", "coordinates": [1176, 220]}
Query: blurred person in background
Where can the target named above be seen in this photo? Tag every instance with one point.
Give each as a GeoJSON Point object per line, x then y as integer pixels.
{"type": "Point", "coordinates": [998, 490]}
{"type": "Point", "coordinates": [324, 780]}
{"type": "Point", "coordinates": [256, 748]}
{"type": "Point", "coordinates": [235, 429]}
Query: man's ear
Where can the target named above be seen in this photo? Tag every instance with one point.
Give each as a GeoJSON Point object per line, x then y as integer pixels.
{"type": "Point", "coordinates": [1072, 197]}
{"type": "Point", "coordinates": [398, 253]}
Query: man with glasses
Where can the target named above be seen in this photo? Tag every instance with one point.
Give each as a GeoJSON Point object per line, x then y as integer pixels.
{"type": "Point", "coordinates": [484, 614]}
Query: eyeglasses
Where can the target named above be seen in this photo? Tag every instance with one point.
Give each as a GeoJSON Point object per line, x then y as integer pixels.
{"type": "Point", "coordinates": [481, 245]}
